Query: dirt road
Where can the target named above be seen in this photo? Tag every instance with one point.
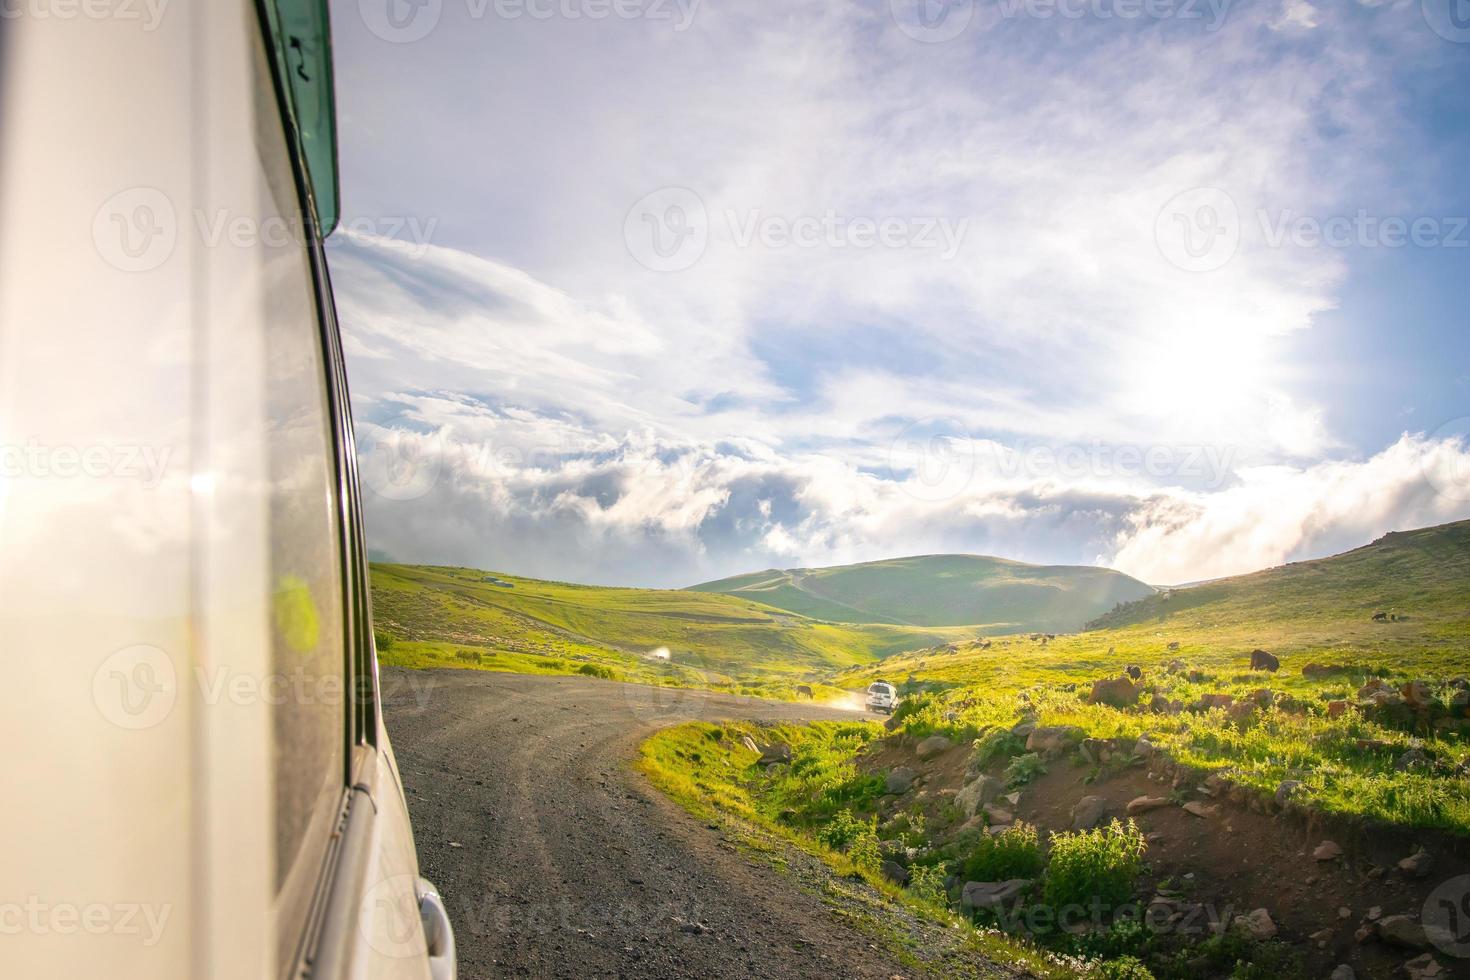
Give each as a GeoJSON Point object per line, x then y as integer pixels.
{"type": "Point", "coordinates": [556, 859]}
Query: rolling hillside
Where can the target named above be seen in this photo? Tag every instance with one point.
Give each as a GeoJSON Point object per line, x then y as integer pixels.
{"type": "Point", "coordinates": [997, 595]}
{"type": "Point", "coordinates": [434, 616]}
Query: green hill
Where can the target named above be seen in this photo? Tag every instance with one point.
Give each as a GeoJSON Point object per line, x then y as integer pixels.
{"type": "Point", "coordinates": [434, 616]}
{"type": "Point", "coordinates": [995, 594]}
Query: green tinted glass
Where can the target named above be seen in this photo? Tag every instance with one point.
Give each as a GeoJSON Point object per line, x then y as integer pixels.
{"type": "Point", "coordinates": [302, 35]}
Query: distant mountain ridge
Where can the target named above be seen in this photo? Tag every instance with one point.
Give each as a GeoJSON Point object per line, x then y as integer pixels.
{"type": "Point", "coordinates": [997, 594]}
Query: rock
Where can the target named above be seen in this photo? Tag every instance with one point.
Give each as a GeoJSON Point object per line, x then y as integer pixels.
{"type": "Point", "coordinates": [1023, 729]}
{"type": "Point", "coordinates": [1412, 759]}
{"type": "Point", "coordinates": [1375, 913]}
{"type": "Point", "coordinates": [1264, 698]}
{"type": "Point", "coordinates": [973, 797]}
{"type": "Point", "coordinates": [1322, 937]}
{"type": "Point", "coordinates": [900, 781]}
{"type": "Point", "coordinates": [932, 746]}
{"type": "Point", "coordinates": [1208, 701]}
{"type": "Point", "coordinates": [1144, 804]}
{"type": "Point", "coordinates": [1424, 967]}
{"type": "Point", "coordinates": [1343, 972]}
{"type": "Point", "coordinates": [1336, 709]}
{"type": "Point", "coordinates": [1118, 692]}
{"type": "Point", "coordinates": [1173, 645]}
{"type": "Point", "coordinates": [1375, 685]}
{"type": "Point", "coordinates": [1014, 799]}
{"type": "Point", "coordinates": [1417, 865]}
{"type": "Point", "coordinates": [997, 816]}
{"type": "Point", "coordinates": [749, 743]}
{"type": "Point", "coordinates": [1092, 750]}
{"type": "Point", "coordinates": [776, 753]}
{"type": "Point", "coordinates": [1288, 789]}
{"type": "Point", "coordinates": [1202, 810]}
{"type": "Point", "coordinates": [1417, 695]}
{"type": "Point", "coordinates": [895, 872]}
{"type": "Point", "coordinates": [992, 894]}
{"type": "Point", "coordinates": [1400, 930]}
{"type": "Point", "coordinates": [1089, 812]}
{"type": "Point", "coordinates": [1053, 740]}
{"type": "Point", "coordinates": [892, 723]}
{"type": "Point", "coordinates": [1143, 748]}
{"type": "Point", "coordinates": [1344, 912]}
{"type": "Point", "coordinates": [1363, 934]}
{"type": "Point", "coordinates": [1327, 851]}
{"type": "Point", "coordinates": [1257, 925]}
{"type": "Point", "coordinates": [1261, 660]}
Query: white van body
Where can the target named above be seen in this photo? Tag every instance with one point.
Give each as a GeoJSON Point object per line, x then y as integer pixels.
{"type": "Point", "coordinates": [882, 697]}
{"type": "Point", "coordinates": [198, 782]}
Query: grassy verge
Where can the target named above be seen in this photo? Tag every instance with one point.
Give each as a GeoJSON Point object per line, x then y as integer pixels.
{"type": "Point", "coordinates": [712, 773]}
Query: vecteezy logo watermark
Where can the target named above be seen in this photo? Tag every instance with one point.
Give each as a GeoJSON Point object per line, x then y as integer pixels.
{"type": "Point", "coordinates": [1450, 19]}
{"type": "Point", "coordinates": [388, 917]}
{"type": "Point", "coordinates": [1448, 469]}
{"type": "Point", "coordinates": [668, 230]}
{"type": "Point", "coordinates": [494, 917]}
{"type": "Point", "coordinates": [147, 12]}
{"type": "Point", "coordinates": [1363, 230]}
{"type": "Point", "coordinates": [405, 21]}
{"type": "Point", "coordinates": [1446, 917]}
{"type": "Point", "coordinates": [933, 459]}
{"type": "Point", "coordinates": [135, 688]}
{"type": "Point", "coordinates": [136, 230]}
{"type": "Point", "coordinates": [39, 461]}
{"type": "Point", "coordinates": [398, 465]}
{"type": "Point", "coordinates": [40, 918]}
{"type": "Point", "coordinates": [1198, 230]}
{"type": "Point", "coordinates": [933, 21]}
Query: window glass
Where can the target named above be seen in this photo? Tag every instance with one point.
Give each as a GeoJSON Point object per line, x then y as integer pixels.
{"type": "Point", "coordinates": [306, 561]}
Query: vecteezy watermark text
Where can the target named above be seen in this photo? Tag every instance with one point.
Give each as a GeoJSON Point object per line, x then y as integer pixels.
{"type": "Point", "coordinates": [41, 918]}
{"type": "Point", "coordinates": [406, 21]}
{"type": "Point", "coordinates": [934, 21]}
{"type": "Point", "coordinates": [37, 460]}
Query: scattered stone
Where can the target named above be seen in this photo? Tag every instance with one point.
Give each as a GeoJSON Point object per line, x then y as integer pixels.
{"type": "Point", "coordinates": [1053, 740]}
{"type": "Point", "coordinates": [1202, 810]}
{"type": "Point", "coordinates": [1343, 972]}
{"type": "Point", "coordinates": [774, 754]}
{"type": "Point", "coordinates": [932, 746]}
{"type": "Point", "coordinates": [1336, 709]}
{"type": "Point", "coordinates": [1417, 695]}
{"type": "Point", "coordinates": [1089, 812]}
{"type": "Point", "coordinates": [1144, 748]}
{"type": "Point", "coordinates": [1288, 789]}
{"type": "Point", "coordinates": [998, 816]}
{"type": "Point", "coordinates": [1144, 804]}
{"type": "Point", "coordinates": [901, 780]}
{"type": "Point", "coordinates": [1176, 666]}
{"type": "Point", "coordinates": [1375, 913]}
{"type": "Point", "coordinates": [1344, 913]}
{"type": "Point", "coordinates": [1014, 799]}
{"type": "Point", "coordinates": [1257, 925]}
{"type": "Point", "coordinates": [1208, 701]}
{"type": "Point", "coordinates": [992, 894]}
{"type": "Point", "coordinates": [1412, 759]}
{"type": "Point", "coordinates": [974, 796]}
{"type": "Point", "coordinates": [749, 744]}
{"type": "Point", "coordinates": [1327, 851]}
{"type": "Point", "coordinates": [1424, 967]}
{"type": "Point", "coordinates": [1400, 930]}
{"type": "Point", "coordinates": [1417, 865]}
{"type": "Point", "coordinates": [1322, 937]}
{"type": "Point", "coordinates": [1363, 934]}
{"type": "Point", "coordinates": [1118, 692]}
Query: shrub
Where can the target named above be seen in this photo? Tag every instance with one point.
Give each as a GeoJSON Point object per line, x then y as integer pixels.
{"type": "Point", "coordinates": [999, 743]}
{"type": "Point", "coordinates": [1097, 864]}
{"type": "Point", "coordinates": [1023, 769]}
{"type": "Point", "coordinates": [468, 656]}
{"type": "Point", "coordinates": [840, 831]}
{"type": "Point", "coordinates": [596, 670]}
{"type": "Point", "coordinates": [926, 881]}
{"type": "Point", "coordinates": [382, 641]}
{"type": "Point", "coordinates": [1013, 853]}
{"type": "Point", "coordinates": [1123, 968]}
{"type": "Point", "coordinates": [855, 837]}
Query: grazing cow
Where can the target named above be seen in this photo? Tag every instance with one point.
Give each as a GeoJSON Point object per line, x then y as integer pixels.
{"type": "Point", "coordinates": [1261, 660]}
{"type": "Point", "coordinates": [804, 691]}
{"type": "Point", "coordinates": [1380, 617]}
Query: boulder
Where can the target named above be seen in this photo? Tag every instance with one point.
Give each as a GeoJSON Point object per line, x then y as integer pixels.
{"type": "Point", "coordinates": [1336, 709]}
{"type": "Point", "coordinates": [1089, 812]}
{"type": "Point", "coordinates": [1176, 666]}
{"type": "Point", "coordinates": [1417, 695]}
{"type": "Point", "coordinates": [1053, 740]}
{"type": "Point", "coordinates": [992, 894]}
{"type": "Point", "coordinates": [1202, 810]}
{"type": "Point", "coordinates": [900, 781]}
{"type": "Point", "coordinates": [1343, 972]}
{"type": "Point", "coordinates": [982, 790]}
{"type": "Point", "coordinates": [1375, 685]}
{"type": "Point", "coordinates": [1424, 967]}
{"type": "Point", "coordinates": [997, 816]}
{"type": "Point", "coordinates": [1417, 865]}
{"type": "Point", "coordinates": [1400, 930]}
{"type": "Point", "coordinates": [1117, 692]}
{"type": "Point", "coordinates": [774, 754]}
{"type": "Point", "coordinates": [1412, 759]}
{"type": "Point", "coordinates": [1317, 672]}
{"type": "Point", "coordinates": [1257, 925]}
{"type": "Point", "coordinates": [1327, 851]}
{"type": "Point", "coordinates": [895, 872]}
{"type": "Point", "coordinates": [1143, 748]}
{"type": "Point", "coordinates": [1288, 789]}
{"type": "Point", "coordinates": [1208, 701]}
{"type": "Point", "coordinates": [1144, 804]}
{"type": "Point", "coordinates": [1261, 660]}
{"type": "Point", "coordinates": [932, 746]}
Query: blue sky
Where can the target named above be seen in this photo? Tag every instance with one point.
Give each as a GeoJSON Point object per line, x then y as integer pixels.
{"type": "Point", "coordinates": [668, 290]}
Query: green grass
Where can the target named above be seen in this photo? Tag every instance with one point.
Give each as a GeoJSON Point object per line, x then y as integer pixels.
{"type": "Point", "coordinates": [431, 614]}
{"type": "Point", "coordinates": [995, 594]}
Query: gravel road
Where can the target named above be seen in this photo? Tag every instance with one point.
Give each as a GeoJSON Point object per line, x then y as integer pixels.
{"type": "Point", "coordinates": [557, 859]}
